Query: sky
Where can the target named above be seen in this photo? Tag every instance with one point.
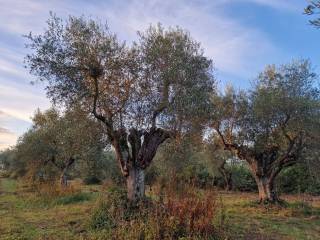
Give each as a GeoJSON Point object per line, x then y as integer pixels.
{"type": "Point", "coordinates": [240, 36]}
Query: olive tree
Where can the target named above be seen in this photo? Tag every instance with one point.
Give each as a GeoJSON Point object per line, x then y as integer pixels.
{"type": "Point", "coordinates": [143, 94]}
{"type": "Point", "coordinates": [58, 141]}
{"type": "Point", "coordinates": [271, 126]}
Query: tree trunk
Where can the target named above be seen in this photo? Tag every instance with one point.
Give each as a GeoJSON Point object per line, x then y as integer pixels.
{"type": "Point", "coordinates": [135, 155]}
{"type": "Point", "coordinates": [227, 177]}
{"type": "Point", "coordinates": [228, 180]}
{"type": "Point", "coordinates": [266, 190]}
{"type": "Point", "coordinates": [64, 179]}
{"type": "Point", "coordinates": [136, 184]}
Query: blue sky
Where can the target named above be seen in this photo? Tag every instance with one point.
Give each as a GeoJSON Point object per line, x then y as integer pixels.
{"type": "Point", "coordinates": [241, 36]}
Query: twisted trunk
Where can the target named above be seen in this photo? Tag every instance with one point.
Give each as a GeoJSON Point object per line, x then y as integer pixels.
{"type": "Point", "coordinates": [135, 151]}
{"type": "Point", "coordinates": [266, 189]}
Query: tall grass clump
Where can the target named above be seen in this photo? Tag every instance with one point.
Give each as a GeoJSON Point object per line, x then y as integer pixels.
{"type": "Point", "coordinates": [50, 193]}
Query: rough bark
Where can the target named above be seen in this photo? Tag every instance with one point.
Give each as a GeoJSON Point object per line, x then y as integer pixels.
{"type": "Point", "coordinates": [136, 184]}
{"type": "Point", "coordinates": [135, 154]}
{"type": "Point", "coordinates": [266, 190]}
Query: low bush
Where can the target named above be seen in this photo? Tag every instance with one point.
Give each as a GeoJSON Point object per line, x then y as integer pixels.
{"type": "Point", "coordinates": [187, 216]}
{"type": "Point", "coordinates": [242, 179]}
{"type": "Point", "coordinates": [110, 209]}
{"type": "Point", "coordinates": [297, 179]}
{"type": "Point", "coordinates": [91, 180]}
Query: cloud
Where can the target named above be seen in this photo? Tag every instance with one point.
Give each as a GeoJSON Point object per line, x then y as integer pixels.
{"type": "Point", "coordinates": [21, 101]}
{"type": "Point", "coordinates": [10, 129]}
{"type": "Point", "coordinates": [229, 43]}
{"type": "Point", "coordinates": [4, 131]}
{"type": "Point", "coordinates": [7, 138]}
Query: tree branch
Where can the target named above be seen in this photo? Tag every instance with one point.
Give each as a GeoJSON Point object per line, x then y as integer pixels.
{"type": "Point", "coordinates": [96, 114]}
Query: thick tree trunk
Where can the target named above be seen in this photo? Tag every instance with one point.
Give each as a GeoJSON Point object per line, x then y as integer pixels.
{"type": "Point", "coordinates": [136, 184]}
{"type": "Point", "coordinates": [135, 155]}
{"type": "Point", "coordinates": [266, 190]}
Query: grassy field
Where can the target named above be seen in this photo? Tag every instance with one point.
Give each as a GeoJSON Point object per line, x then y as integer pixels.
{"type": "Point", "coordinates": [26, 216]}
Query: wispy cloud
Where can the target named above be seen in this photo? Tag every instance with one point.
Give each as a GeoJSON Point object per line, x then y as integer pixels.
{"type": "Point", "coordinates": [21, 103]}
{"type": "Point", "coordinates": [225, 40]}
{"type": "Point", "coordinates": [231, 45]}
{"type": "Point", "coordinates": [10, 129]}
{"type": "Point", "coordinates": [4, 130]}
{"type": "Point", "coordinates": [7, 138]}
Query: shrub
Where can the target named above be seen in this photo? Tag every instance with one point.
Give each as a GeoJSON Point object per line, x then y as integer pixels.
{"type": "Point", "coordinates": [109, 211]}
{"type": "Point", "coordinates": [242, 179]}
{"type": "Point", "coordinates": [100, 218]}
{"type": "Point", "coordinates": [195, 175]}
{"type": "Point", "coordinates": [185, 216]}
{"type": "Point", "coordinates": [298, 179]}
{"type": "Point", "coordinates": [91, 180]}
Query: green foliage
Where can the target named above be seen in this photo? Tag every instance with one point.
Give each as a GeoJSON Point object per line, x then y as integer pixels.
{"type": "Point", "coordinates": [152, 174]}
{"type": "Point", "coordinates": [91, 180]}
{"type": "Point", "coordinates": [164, 75]}
{"type": "Point", "coordinates": [273, 125]}
{"type": "Point", "coordinates": [298, 179]}
{"type": "Point", "coordinates": [196, 174]}
{"type": "Point", "coordinates": [12, 165]}
{"type": "Point", "coordinates": [8, 185]}
{"type": "Point", "coordinates": [111, 169]}
{"type": "Point", "coordinates": [53, 144]}
{"type": "Point", "coordinates": [100, 218]}
{"type": "Point", "coordinates": [107, 212]}
{"type": "Point", "coordinates": [242, 179]}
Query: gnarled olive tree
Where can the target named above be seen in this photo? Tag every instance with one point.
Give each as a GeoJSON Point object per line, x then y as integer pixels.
{"type": "Point", "coordinates": [271, 126]}
{"type": "Point", "coordinates": [143, 94]}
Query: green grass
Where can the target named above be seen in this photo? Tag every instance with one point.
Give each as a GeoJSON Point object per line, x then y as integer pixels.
{"type": "Point", "coordinates": [297, 220]}
{"type": "Point", "coordinates": [24, 216]}
{"type": "Point", "coordinates": [71, 199]}
{"type": "Point", "coordinates": [8, 185]}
